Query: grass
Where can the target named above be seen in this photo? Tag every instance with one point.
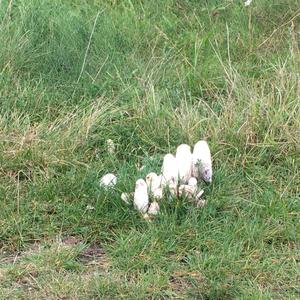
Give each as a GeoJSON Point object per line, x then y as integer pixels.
{"type": "Point", "coordinates": [149, 75]}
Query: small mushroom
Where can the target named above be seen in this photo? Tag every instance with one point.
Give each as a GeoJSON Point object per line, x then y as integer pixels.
{"type": "Point", "coordinates": [108, 180]}
{"type": "Point", "coordinates": [158, 194]}
{"type": "Point", "coordinates": [202, 163]}
{"type": "Point", "coordinates": [141, 198]}
{"type": "Point", "coordinates": [192, 181]}
{"type": "Point", "coordinates": [187, 190]}
{"type": "Point", "coordinates": [153, 208]}
{"type": "Point", "coordinates": [153, 181]}
{"type": "Point", "coordinates": [184, 162]}
{"type": "Point", "coordinates": [169, 169]}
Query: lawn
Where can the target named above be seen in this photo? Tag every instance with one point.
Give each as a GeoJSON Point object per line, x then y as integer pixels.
{"type": "Point", "coordinates": [149, 75]}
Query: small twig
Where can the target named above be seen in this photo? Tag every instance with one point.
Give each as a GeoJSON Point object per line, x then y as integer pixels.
{"type": "Point", "coordinates": [18, 193]}
{"type": "Point", "coordinates": [228, 46]}
{"type": "Point", "coordinates": [282, 25]}
{"type": "Point", "coordinates": [88, 47]}
{"type": "Point", "coordinates": [287, 186]}
{"type": "Point", "coordinates": [86, 52]}
{"type": "Point", "coordinates": [100, 69]}
{"type": "Point", "coordinates": [207, 105]}
{"type": "Point", "coordinates": [295, 48]}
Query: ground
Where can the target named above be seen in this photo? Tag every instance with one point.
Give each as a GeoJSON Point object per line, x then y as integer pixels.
{"type": "Point", "coordinates": [148, 75]}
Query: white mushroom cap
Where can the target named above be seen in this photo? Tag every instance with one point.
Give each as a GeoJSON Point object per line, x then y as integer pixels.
{"type": "Point", "coordinates": [153, 181]}
{"type": "Point", "coordinates": [158, 194]}
{"type": "Point", "coordinates": [184, 162]}
{"type": "Point", "coordinates": [153, 208]}
{"type": "Point", "coordinates": [169, 169]}
{"type": "Point", "coordinates": [141, 198]}
{"type": "Point", "coordinates": [187, 190]}
{"type": "Point", "coordinates": [202, 162]}
{"type": "Point", "coordinates": [192, 181]}
{"type": "Point", "coordinates": [108, 180]}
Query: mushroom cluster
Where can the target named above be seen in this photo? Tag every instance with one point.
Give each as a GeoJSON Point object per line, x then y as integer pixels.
{"type": "Point", "coordinates": [180, 175]}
